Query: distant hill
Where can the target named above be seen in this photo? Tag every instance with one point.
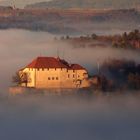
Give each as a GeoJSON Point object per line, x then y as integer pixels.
{"type": "Point", "coordinates": [6, 8]}
{"type": "Point", "coordinates": [100, 4]}
{"type": "Point", "coordinates": [69, 21]}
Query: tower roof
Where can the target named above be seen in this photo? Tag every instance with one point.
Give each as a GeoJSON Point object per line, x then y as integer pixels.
{"type": "Point", "coordinates": [76, 67]}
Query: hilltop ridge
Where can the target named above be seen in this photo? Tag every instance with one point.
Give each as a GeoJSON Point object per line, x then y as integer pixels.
{"type": "Point", "coordinates": [101, 4]}
{"type": "Point", "coordinates": [66, 21]}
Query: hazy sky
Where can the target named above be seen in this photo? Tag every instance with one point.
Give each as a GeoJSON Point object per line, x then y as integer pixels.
{"type": "Point", "coordinates": [19, 3]}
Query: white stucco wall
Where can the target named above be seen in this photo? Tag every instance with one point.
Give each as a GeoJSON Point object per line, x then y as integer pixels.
{"type": "Point", "coordinates": [54, 78]}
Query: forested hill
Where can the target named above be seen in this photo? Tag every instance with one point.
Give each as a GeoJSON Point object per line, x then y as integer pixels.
{"type": "Point", "coordinates": [101, 4]}
{"type": "Point", "coordinates": [66, 21]}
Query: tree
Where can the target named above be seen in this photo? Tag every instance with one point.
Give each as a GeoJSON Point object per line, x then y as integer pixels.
{"type": "Point", "coordinates": [67, 37]}
{"type": "Point", "coordinates": [124, 36]}
{"type": "Point", "coordinates": [134, 81]}
{"type": "Point", "coordinates": [20, 78]}
{"type": "Point", "coordinates": [16, 79]}
{"type": "Point", "coordinates": [135, 35]}
{"type": "Point", "coordinates": [115, 45]}
{"type": "Point", "coordinates": [94, 36]}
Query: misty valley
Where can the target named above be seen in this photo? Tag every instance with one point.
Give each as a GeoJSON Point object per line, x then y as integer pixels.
{"type": "Point", "coordinates": [69, 70]}
{"type": "Point", "coordinates": [109, 106]}
{"type": "Point", "coordinates": [109, 70]}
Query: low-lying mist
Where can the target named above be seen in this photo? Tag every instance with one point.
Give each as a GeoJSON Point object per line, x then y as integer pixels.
{"type": "Point", "coordinates": [20, 47]}
{"type": "Point", "coordinates": [71, 117]}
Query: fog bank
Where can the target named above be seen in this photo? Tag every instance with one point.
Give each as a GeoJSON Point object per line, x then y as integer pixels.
{"type": "Point", "coordinates": [71, 117]}
{"type": "Point", "coordinates": [110, 117]}
{"type": "Point", "coordinates": [20, 47]}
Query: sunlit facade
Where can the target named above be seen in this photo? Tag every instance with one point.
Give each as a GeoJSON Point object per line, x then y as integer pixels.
{"type": "Point", "coordinates": [50, 72]}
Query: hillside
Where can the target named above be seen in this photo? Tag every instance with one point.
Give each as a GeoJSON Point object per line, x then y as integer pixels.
{"type": "Point", "coordinates": [125, 40]}
{"type": "Point", "coordinates": [100, 4]}
{"type": "Point", "coordinates": [66, 21]}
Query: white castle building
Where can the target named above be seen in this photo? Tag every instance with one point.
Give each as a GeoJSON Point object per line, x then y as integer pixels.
{"type": "Point", "coordinates": [50, 72]}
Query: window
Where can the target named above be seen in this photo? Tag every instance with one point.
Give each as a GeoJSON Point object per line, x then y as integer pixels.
{"type": "Point", "coordinates": [68, 76]}
{"type": "Point", "coordinates": [49, 78]}
{"type": "Point", "coordinates": [73, 75]}
{"type": "Point", "coordinates": [73, 70]}
{"type": "Point", "coordinates": [56, 78]}
{"type": "Point", "coordinates": [42, 69]}
{"type": "Point", "coordinates": [52, 78]}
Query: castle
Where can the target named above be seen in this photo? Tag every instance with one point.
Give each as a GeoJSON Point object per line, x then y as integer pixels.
{"type": "Point", "coordinates": [50, 72]}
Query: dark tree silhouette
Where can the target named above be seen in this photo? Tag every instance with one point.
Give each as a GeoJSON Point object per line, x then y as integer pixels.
{"type": "Point", "coordinates": [20, 78]}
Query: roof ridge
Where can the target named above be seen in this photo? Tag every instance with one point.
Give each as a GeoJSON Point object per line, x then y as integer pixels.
{"type": "Point", "coordinates": [52, 62]}
{"type": "Point", "coordinates": [36, 61]}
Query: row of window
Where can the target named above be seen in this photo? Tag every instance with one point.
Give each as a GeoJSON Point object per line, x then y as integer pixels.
{"type": "Point", "coordinates": [30, 69]}
{"type": "Point", "coordinates": [53, 78]}
{"type": "Point", "coordinates": [72, 76]}
{"type": "Point", "coordinates": [56, 78]}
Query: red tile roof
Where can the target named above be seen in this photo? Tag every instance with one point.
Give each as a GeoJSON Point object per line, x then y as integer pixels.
{"type": "Point", "coordinates": [51, 62]}
{"type": "Point", "coordinates": [76, 67]}
{"type": "Point", "coordinates": [46, 62]}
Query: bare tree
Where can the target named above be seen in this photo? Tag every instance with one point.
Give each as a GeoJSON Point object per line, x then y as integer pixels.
{"type": "Point", "coordinates": [20, 78]}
